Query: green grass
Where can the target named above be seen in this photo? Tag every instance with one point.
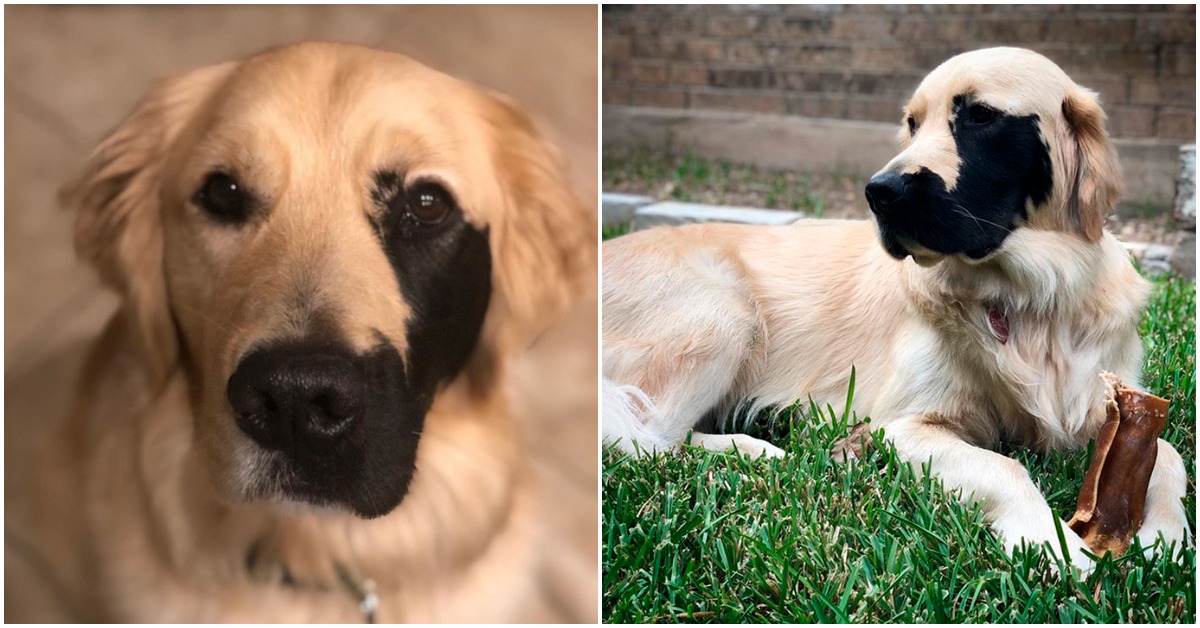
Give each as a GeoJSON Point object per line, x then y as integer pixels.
{"type": "Point", "coordinates": [609, 232]}
{"type": "Point", "coordinates": [722, 538]}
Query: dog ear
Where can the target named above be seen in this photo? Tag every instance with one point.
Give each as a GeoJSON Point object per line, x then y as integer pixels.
{"type": "Point", "coordinates": [546, 241]}
{"type": "Point", "coordinates": [1093, 174]}
{"type": "Point", "coordinates": [118, 227]}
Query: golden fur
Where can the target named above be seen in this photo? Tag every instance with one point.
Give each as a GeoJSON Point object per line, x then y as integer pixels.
{"type": "Point", "coordinates": [700, 318]}
{"type": "Point", "coordinates": [143, 512]}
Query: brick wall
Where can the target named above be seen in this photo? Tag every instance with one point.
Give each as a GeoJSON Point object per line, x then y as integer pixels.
{"type": "Point", "coordinates": [863, 62]}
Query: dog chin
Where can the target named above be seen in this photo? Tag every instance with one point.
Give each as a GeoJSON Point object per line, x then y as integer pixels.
{"type": "Point", "coordinates": [927, 260]}
{"type": "Point", "coordinates": [294, 507]}
{"type": "Point", "coordinates": [900, 248]}
{"type": "Point", "coordinates": [266, 478]}
{"type": "Point", "coordinates": [975, 259]}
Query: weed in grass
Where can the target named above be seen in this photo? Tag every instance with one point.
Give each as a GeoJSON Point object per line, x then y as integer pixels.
{"type": "Point", "coordinates": [725, 168]}
{"type": "Point", "coordinates": [851, 175]}
{"type": "Point", "coordinates": [608, 232]}
{"type": "Point", "coordinates": [703, 536]}
{"type": "Point", "coordinates": [1141, 209]}
{"type": "Point", "coordinates": [633, 164]}
{"type": "Point", "coordinates": [693, 169]}
{"type": "Point", "coordinates": [810, 203]}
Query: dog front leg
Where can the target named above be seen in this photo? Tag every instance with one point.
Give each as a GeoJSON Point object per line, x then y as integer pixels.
{"type": "Point", "coordinates": [1164, 500]}
{"type": "Point", "coordinates": [1011, 502]}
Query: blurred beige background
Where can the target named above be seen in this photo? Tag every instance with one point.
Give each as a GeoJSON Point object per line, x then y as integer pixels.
{"type": "Point", "coordinates": [72, 73]}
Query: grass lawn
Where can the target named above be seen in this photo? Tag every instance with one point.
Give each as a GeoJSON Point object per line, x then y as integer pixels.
{"type": "Point", "coordinates": [722, 538]}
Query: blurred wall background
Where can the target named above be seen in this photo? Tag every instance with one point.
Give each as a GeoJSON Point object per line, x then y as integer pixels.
{"type": "Point", "coordinates": [862, 62]}
{"type": "Point", "coordinates": [793, 107]}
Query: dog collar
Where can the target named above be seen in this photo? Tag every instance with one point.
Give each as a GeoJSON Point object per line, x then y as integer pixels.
{"type": "Point", "coordinates": [368, 601]}
{"type": "Point", "coordinates": [362, 590]}
{"type": "Point", "coordinates": [999, 324]}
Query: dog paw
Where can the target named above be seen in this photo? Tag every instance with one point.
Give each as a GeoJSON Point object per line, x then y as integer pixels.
{"type": "Point", "coordinates": [754, 447]}
{"type": "Point", "coordinates": [1170, 537]}
{"type": "Point", "coordinates": [1165, 526]}
{"type": "Point", "coordinates": [1017, 531]}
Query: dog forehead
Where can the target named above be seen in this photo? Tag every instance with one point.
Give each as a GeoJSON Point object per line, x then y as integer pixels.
{"type": "Point", "coordinates": [315, 84]}
{"type": "Point", "coordinates": [1014, 80]}
{"type": "Point", "coordinates": [324, 108]}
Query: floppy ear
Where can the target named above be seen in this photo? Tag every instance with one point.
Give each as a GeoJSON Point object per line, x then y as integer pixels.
{"type": "Point", "coordinates": [1093, 174]}
{"type": "Point", "coordinates": [118, 226]}
{"type": "Point", "coordinates": [545, 243]}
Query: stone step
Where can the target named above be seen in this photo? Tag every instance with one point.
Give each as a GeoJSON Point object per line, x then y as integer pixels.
{"type": "Point", "coordinates": [642, 212]}
{"type": "Point", "coordinates": [618, 209]}
{"type": "Point", "coordinates": [675, 213]}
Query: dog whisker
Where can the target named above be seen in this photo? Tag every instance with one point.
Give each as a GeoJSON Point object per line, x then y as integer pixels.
{"type": "Point", "coordinates": [979, 222]}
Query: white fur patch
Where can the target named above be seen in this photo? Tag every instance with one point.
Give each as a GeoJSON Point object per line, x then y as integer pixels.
{"type": "Point", "coordinates": [626, 410]}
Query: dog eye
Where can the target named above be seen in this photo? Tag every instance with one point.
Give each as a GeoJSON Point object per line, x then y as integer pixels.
{"type": "Point", "coordinates": [982, 114]}
{"type": "Point", "coordinates": [912, 125]}
{"type": "Point", "coordinates": [429, 203]}
{"type": "Point", "coordinates": [223, 198]}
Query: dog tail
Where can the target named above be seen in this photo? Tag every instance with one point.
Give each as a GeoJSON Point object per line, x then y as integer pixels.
{"type": "Point", "coordinates": [626, 410]}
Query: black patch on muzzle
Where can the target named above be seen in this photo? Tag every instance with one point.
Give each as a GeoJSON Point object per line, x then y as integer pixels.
{"type": "Point", "coordinates": [445, 275]}
{"type": "Point", "coordinates": [1004, 165]}
{"type": "Point", "coordinates": [346, 425]}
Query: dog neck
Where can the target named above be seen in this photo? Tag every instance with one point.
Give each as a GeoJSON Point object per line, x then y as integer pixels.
{"type": "Point", "coordinates": [1044, 273]}
{"type": "Point", "coordinates": [463, 507]}
{"type": "Point", "coordinates": [1045, 313]}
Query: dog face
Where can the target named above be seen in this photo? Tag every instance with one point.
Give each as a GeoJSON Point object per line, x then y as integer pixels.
{"type": "Point", "coordinates": [994, 140]}
{"type": "Point", "coordinates": [327, 238]}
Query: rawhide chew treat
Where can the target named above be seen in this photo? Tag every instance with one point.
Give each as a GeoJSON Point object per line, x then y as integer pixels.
{"type": "Point", "coordinates": [1112, 502]}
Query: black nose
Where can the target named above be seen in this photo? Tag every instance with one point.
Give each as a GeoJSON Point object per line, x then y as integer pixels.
{"type": "Point", "coordinates": [883, 190]}
{"type": "Point", "coordinates": [296, 396]}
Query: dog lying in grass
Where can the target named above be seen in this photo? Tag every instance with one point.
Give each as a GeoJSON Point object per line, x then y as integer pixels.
{"type": "Point", "coordinates": [996, 299]}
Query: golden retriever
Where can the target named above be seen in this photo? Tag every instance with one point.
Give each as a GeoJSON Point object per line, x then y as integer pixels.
{"type": "Point", "coordinates": [994, 303]}
{"type": "Point", "coordinates": [328, 256]}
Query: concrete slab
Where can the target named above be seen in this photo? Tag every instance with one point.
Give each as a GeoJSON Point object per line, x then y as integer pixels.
{"type": "Point", "coordinates": [1185, 189]}
{"type": "Point", "coordinates": [1183, 260]}
{"type": "Point", "coordinates": [617, 209]}
{"type": "Point", "coordinates": [1156, 258]}
{"type": "Point", "coordinates": [672, 213]}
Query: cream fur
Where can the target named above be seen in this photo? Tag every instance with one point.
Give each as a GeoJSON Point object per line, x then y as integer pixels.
{"type": "Point", "coordinates": [145, 514]}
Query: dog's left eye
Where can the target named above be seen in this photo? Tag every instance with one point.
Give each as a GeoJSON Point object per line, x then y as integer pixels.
{"type": "Point", "coordinates": [223, 198]}
{"type": "Point", "coordinates": [429, 202]}
{"type": "Point", "coordinates": [982, 114]}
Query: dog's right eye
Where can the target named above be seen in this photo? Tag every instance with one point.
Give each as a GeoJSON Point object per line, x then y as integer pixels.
{"type": "Point", "coordinates": [223, 199]}
{"type": "Point", "coordinates": [982, 114]}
